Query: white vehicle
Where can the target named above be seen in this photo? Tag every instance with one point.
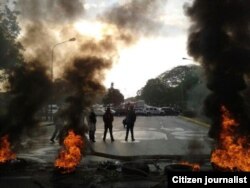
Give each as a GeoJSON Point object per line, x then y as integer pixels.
{"type": "Point", "coordinates": [154, 111]}
{"type": "Point", "coordinates": [101, 111]}
{"type": "Point", "coordinates": [140, 111]}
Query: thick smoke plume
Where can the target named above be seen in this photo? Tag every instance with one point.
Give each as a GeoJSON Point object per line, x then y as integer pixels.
{"type": "Point", "coordinates": [46, 23]}
{"type": "Point", "coordinates": [219, 39]}
{"type": "Point", "coordinates": [55, 11]}
{"type": "Point", "coordinates": [29, 83]}
{"type": "Point", "coordinates": [138, 17]}
{"type": "Point", "coordinates": [27, 86]}
{"type": "Point", "coordinates": [83, 79]}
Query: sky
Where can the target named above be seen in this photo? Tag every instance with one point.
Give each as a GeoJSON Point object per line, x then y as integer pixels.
{"type": "Point", "coordinates": [150, 55]}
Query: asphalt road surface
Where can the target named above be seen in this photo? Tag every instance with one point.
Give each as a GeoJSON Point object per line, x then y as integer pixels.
{"type": "Point", "coordinates": [155, 135]}
{"type": "Point", "coordinates": [161, 135]}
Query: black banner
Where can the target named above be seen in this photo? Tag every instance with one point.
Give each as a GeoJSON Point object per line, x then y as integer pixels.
{"type": "Point", "coordinates": [208, 179]}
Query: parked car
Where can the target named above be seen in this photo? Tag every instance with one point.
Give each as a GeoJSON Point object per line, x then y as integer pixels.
{"type": "Point", "coordinates": [170, 111]}
{"type": "Point", "coordinates": [154, 111]}
{"type": "Point", "coordinates": [101, 111]}
{"type": "Point", "coordinates": [120, 111]}
{"type": "Point", "coordinates": [112, 111]}
{"type": "Point", "coordinates": [140, 111]}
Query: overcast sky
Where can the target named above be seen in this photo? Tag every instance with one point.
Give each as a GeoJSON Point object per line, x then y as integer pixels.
{"type": "Point", "coordinates": [151, 54]}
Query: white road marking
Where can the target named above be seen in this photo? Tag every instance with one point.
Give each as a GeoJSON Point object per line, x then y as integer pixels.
{"type": "Point", "coordinates": [152, 129]}
{"type": "Point", "coordinates": [171, 129]}
{"type": "Point", "coordinates": [182, 134]}
{"type": "Point", "coordinates": [139, 135]}
{"type": "Point", "coordinates": [129, 141]}
{"type": "Point", "coordinates": [153, 134]}
{"type": "Point", "coordinates": [189, 138]}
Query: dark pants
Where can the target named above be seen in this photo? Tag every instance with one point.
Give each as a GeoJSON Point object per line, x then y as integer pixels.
{"type": "Point", "coordinates": [56, 132]}
{"type": "Point", "coordinates": [130, 127]}
{"type": "Point", "coordinates": [106, 127]}
{"type": "Point", "coordinates": [92, 135]}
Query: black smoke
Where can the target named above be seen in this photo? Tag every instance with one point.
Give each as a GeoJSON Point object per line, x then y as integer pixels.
{"type": "Point", "coordinates": [29, 88]}
{"type": "Point", "coordinates": [219, 39]}
{"type": "Point", "coordinates": [83, 79]}
{"type": "Point", "coordinates": [137, 17]}
{"type": "Point", "coordinates": [51, 11]}
{"type": "Point", "coordinates": [46, 23]}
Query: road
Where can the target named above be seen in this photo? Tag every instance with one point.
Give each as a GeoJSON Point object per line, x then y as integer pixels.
{"type": "Point", "coordinates": [155, 135]}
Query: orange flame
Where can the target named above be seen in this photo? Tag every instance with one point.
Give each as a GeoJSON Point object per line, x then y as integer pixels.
{"type": "Point", "coordinates": [5, 152]}
{"type": "Point", "coordinates": [233, 153]}
{"type": "Point", "coordinates": [195, 166]}
{"type": "Point", "coordinates": [70, 156]}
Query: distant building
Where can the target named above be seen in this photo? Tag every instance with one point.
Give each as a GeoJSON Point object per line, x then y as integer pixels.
{"type": "Point", "coordinates": [136, 104]}
{"type": "Point", "coordinates": [140, 104]}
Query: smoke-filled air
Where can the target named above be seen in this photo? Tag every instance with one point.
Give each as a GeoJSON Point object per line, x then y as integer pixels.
{"type": "Point", "coordinates": [219, 39]}
{"type": "Point", "coordinates": [58, 46]}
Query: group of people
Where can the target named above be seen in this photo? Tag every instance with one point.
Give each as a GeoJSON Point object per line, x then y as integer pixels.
{"type": "Point", "coordinates": [108, 119]}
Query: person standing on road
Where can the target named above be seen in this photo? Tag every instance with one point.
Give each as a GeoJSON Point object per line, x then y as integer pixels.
{"type": "Point", "coordinates": [58, 122]}
{"type": "Point", "coordinates": [92, 125]}
{"type": "Point", "coordinates": [130, 121]}
{"type": "Point", "coordinates": [108, 120]}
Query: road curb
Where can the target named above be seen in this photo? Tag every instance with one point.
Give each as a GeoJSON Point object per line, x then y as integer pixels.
{"type": "Point", "coordinates": [195, 121]}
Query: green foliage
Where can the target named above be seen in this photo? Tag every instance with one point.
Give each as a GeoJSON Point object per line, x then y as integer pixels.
{"type": "Point", "coordinates": [10, 55]}
{"type": "Point", "coordinates": [154, 92]}
{"type": "Point", "coordinates": [113, 96]}
{"type": "Point", "coordinates": [10, 50]}
{"type": "Point", "coordinates": [171, 87]}
{"type": "Point", "coordinates": [180, 74]}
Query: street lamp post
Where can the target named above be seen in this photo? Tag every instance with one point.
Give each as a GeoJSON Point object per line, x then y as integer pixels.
{"type": "Point", "coordinates": [184, 58]}
{"type": "Point", "coordinates": [181, 86]}
{"type": "Point", "coordinates": [52, 55]}
{"type": "Point", "coordinates": [51, 68]}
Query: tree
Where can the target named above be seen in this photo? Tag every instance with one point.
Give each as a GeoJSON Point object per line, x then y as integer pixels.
{"type": "Point", "coordinates": [113, 96]}
{"type": "Point", "coordinates": [10, 55]}
{"type": "Point", "coordinates": [154, 92]}
{"type": "Point", "coordinates": [177, 75]}
{"type": "Point", "coordinates": [171, 87]}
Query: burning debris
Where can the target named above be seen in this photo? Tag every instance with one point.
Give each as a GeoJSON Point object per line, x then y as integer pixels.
{"type": "Point", "coordinates": [220, 40]}
{"type": "Point", "coordinates": [182, 166]}
{"type": "Point", "coordinates": [5, 150]}
{"type": "Point", "coordinates": [83, 80]}
{"type": "Point", "coordinates": [27, 84]}
{"type": "Point", "coordinates": [195, 166]}
{"type": "Point", "coordinates": [233, 150]}
{"type": "Point", "coordinates": [70, 156]}
{"type": "Point", "coordinates": [81, 69]}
